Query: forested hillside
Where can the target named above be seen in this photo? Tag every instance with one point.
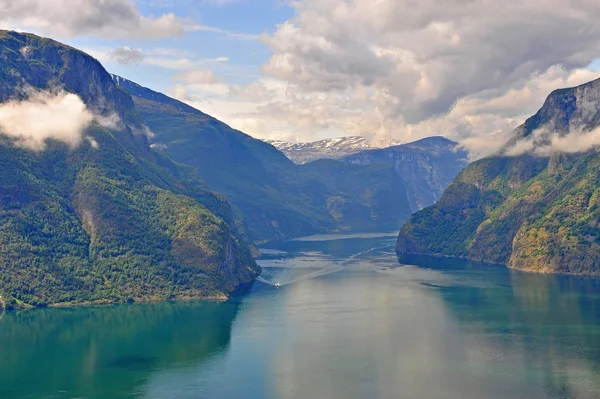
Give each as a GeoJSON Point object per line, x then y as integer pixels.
{"type": "Point", "coordinates": [101, 217]}
{"type": "Point", "coordinates": [535, 206]}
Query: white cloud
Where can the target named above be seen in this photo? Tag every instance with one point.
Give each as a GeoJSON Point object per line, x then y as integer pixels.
{"type": "Point", "coordinates": [223, 32]}
{"type": "Point", "coordinates": [471, 71]}
{"type": "Point", "coordinates": [45, 115]}
{"type": "Point", "coordinates": [182, 63]}
{"type": "Point", "coordinates": [544, 142]}
{"type": "Point", "coordinates": [576, 142]}
{"type": "Point", "coordinates": [273, 108]}
{"type": "Point", "coordinates": [198, 76]}
{"type": "Point", "coordinates": [127, 55]}
{"type": "Point", "coordinates": [105, 18]}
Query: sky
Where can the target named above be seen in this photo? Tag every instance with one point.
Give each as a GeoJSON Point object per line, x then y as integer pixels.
{"type": "Point", "coordinates": [302, 70]}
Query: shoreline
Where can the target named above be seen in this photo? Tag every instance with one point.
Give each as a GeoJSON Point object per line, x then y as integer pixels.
{"type": "Point", "coordinates": [109, 303]}
{"type": "Point", "coordinates": [464, 258]}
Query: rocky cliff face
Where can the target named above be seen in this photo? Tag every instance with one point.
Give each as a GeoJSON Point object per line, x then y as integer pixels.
{"type": "Point", "coordinates": [564, 111]}
{"type": "Point", "coordinates": [104, 219]}
{"type": "Point", "coordinates": [535, 211]}
{"type": "Point", "coordinates": [426, 167]}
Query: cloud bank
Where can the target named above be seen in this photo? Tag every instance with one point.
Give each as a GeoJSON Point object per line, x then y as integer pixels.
{"type": "Point", "coordinates": [105, 18]}
{"type": "Point", "coordinates": [459, 68]}
{"type": "Point", "coordinates": [544, 142]}
{"type": "Point", "coordinates": [58, 115]}
{"type": "Point", "coordinates": [469, 70]}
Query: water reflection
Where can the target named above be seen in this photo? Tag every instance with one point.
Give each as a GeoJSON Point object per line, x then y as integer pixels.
{"type": "Point", "coordinates": [374, 329]}
{"type": "Point", "coordinates": [106, 352]}
{"type": "Point", "coordinates": [543, 328]}
{"type": "Point", "coordinates": [378, 329]}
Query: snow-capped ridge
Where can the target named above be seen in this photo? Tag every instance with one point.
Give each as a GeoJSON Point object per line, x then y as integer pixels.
{"type": "Point", "coordinates": [336, 147]}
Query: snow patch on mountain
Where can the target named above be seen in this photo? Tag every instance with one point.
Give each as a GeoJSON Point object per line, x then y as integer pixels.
{"type": "Point", "coordinates": [337, 147]}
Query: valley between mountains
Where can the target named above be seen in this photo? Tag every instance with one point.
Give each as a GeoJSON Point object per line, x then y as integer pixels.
{"type": "Point", "coordinates": [148, 198]}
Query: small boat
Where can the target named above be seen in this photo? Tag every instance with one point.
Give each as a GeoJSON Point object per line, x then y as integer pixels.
{"type": "Point", "coordinates": [277, 284]}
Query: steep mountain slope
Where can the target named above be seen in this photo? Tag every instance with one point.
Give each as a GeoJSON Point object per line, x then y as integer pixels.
{"type": "Point", "coordinates": [539, 211]}
{"type": "Point", "coordinates": [426, 167]}
{"type": "Point", "coordinates": [333, 148]}
{"type": "Point", "coordinates": [277, 197]}
{"type": "Point", "coordinates": [106, 220]}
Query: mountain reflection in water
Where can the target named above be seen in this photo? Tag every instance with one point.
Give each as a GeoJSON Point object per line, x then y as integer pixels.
{"type": "Point", "coordinates": [349, 321]}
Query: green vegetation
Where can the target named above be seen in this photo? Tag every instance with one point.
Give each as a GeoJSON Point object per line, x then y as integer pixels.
{"type": "Point", "coordinates": [114, 223]}
{"type": "Point", "coordinates": [531, 213]}
{"type": "Point", "coordinates": [105, 339]}
{"type": "Point", "coordinates": [546, 220]}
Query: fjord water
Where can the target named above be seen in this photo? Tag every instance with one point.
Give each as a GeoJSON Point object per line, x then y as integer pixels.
{"type": "Point", "coordinates": [349, 321]}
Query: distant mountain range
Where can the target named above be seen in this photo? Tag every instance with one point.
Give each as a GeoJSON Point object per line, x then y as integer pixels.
{"type": "Point", "coordinates": [332, 148]}
{"type": "Point", "coordinates": [535, 206]}
{"type": "Point", "coordinates": [426, 167]}
{"type": "Point", "coordinates": [280, 199]}
{"type": "Point", "coordinates": [277, 198]}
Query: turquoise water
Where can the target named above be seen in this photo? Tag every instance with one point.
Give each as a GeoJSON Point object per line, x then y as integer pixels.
{"type": "Point", "coordinates": [349, 321]}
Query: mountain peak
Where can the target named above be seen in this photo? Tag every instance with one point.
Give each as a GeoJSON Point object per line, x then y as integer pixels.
{"type": "Point", "coordinates": [30, 61]}
{"type": "Point", "coordinates": [564, 110]}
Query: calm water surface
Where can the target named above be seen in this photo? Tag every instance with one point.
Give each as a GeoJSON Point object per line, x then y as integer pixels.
{"type": "Point", "coordinates": [349, 321]}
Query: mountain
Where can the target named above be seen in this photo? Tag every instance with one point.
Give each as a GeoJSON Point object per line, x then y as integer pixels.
{"type": "Point", "coordinates": [277, 198]}
{"type": "Point", "coordinates": [99, 218]}
{"type": "Point", "coordinates": [426, 167]}
{"type": "Point", "coordinates": [535, 206]}
{"type": "Point", "coordinates": [333, 148]}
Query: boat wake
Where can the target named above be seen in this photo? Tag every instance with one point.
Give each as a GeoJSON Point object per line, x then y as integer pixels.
{"type": "Point", "coordinates": [327, 270]}
{"type": "Point", "coordinates": [315, 274]}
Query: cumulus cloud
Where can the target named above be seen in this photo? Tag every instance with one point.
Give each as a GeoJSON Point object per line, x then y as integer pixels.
{"type": "Point", "coordinates": [198, 76]}
{"type": "Point", "coordinates": [471, 71]}
{"type": "Point", "coordinates": [127, 55]}
{"type": "Point", "coordinates": [106, 18]}
{"type": "Point", "coordinates": [50, 115]}
{"type": "Point", "coordinates": [274, 108]}
{"type": "Point", "coordinates": [45, 115]}
{"type": "Point", "coordinates": [427, 55]}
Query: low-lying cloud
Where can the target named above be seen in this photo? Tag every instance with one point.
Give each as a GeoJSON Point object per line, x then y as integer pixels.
{"type": "Point", "coordinates": [45, 115]}
{"type": "Point", "coordinates": [544, 142]}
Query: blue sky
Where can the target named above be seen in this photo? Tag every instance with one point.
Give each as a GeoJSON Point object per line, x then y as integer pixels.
{"type": "Point", "coordinates": [241, 23]}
